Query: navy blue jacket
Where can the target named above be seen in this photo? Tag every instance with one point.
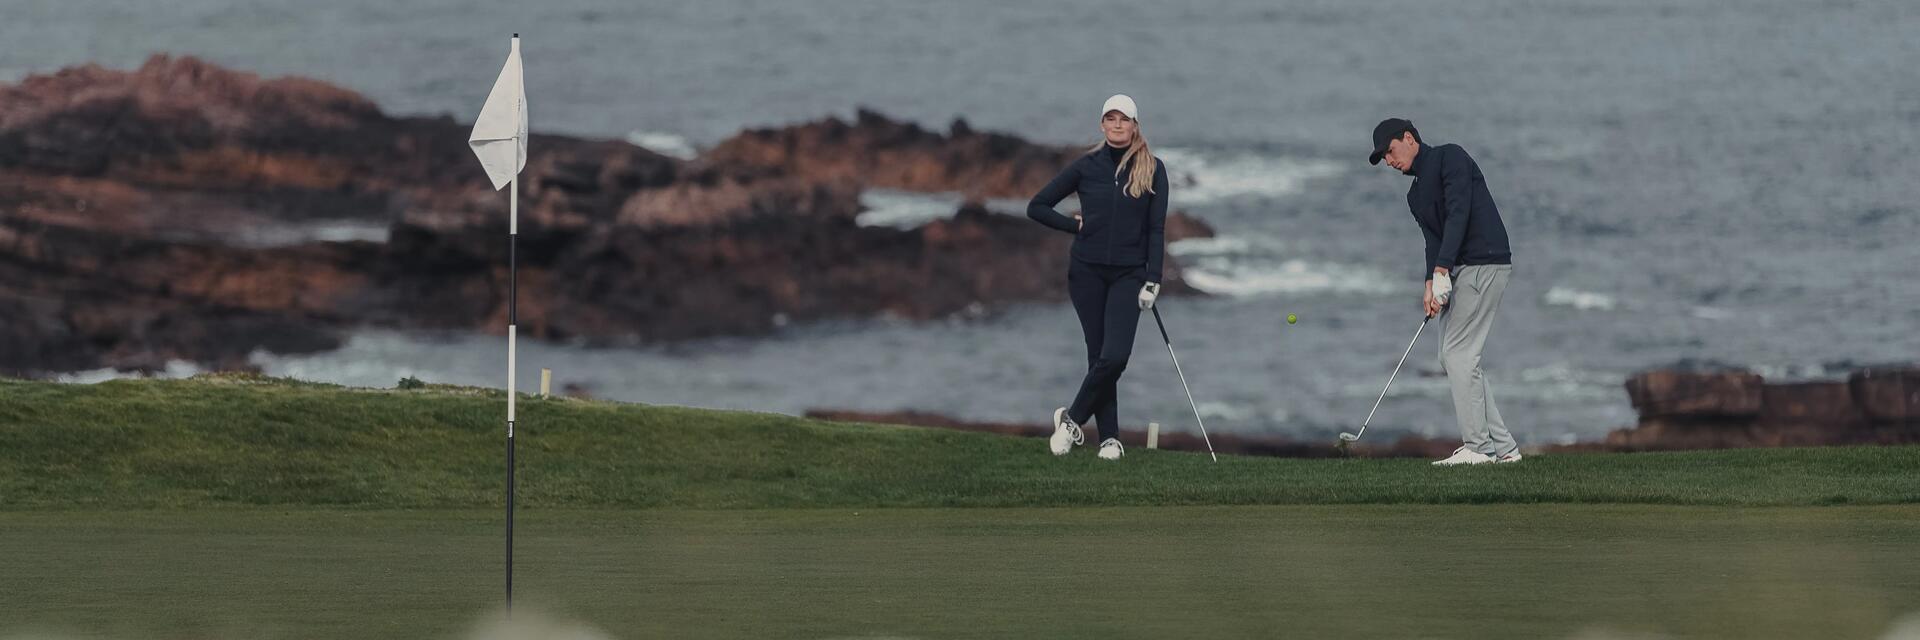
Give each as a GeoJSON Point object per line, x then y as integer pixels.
{"type": "Point", "coordinates": [1450, 201]}
{"type": "Point", "coordinates": [1120, 229]}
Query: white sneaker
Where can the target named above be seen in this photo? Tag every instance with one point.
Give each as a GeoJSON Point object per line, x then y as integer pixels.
{"type": "Point", "coordinates": [1110, 449]}
{"type": "Point", "coordinates": [1464, 455]}
{"type": "Point", "coordinates": [1065, 433]}
{"type": "Point", "coordinates": [1511, 457]}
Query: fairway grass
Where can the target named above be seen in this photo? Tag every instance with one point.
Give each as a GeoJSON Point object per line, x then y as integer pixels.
{"type": "Point", "coordinates": [246, 507]}
{"type": "Point", "coordinates": [248, 441]}
{"type": "Point", "coordinates": [1483, 571]}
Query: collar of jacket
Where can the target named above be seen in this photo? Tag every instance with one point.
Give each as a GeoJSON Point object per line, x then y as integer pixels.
{"type": "Point", "coordinates": [1102, 159]}
{"type": "Point", "coordinates": [1421, 164]}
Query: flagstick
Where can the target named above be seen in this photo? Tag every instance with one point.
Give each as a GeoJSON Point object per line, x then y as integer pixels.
{"type": "Point", "coordinates": [491, 128]}
{"type": "Point", "coordinates": [513, 319]}
{"type": "Point", "coordinates": [513, 329]}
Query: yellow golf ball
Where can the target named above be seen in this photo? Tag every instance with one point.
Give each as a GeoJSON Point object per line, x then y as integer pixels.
{"type": "Point", "coordinates": [1292, 318]}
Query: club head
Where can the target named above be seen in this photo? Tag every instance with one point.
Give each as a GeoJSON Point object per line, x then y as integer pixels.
{"type": "Point", "coordinates": [1348, 437]}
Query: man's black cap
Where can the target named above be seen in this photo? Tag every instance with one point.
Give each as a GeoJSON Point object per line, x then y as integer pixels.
{"type": "Point", "coordinates": [1387, 131]}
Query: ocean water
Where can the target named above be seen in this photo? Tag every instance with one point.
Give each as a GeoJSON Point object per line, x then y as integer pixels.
{"type": "Point", "coordinates": [1682, 180]}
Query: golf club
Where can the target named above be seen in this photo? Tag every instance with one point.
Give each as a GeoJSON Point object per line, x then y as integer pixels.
{"type": "Point", "coordinates": [1349, 438]}
{"type": "Point", "coordinates": [1183, 382]}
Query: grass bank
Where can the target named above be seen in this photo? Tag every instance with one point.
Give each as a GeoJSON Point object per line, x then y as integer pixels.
{"type": "Point", "coordinates": [240, 441]}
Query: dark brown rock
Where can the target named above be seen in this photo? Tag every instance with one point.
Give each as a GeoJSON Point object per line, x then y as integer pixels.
{"type": "Point", "coordinates": [190, 148]}
{"type": "Point", "coordinates": [1828, 404]}
{"type": "Point", "coordinates": [122, 194]}
{"type": "Point", "coordinates": [1887, 395]}
{"type": "Point", "coordinates": [1181, 226]}
{"type": "Point", "coordinates": [879, 152]}
{"type": "Point", "coordinates": [1667, 393]}
{"type": "Point", "coordinates": [1691, 409]}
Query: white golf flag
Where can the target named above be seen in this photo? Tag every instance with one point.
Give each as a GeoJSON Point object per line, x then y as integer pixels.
{"type": "Point", "coordinates": [500, 133]}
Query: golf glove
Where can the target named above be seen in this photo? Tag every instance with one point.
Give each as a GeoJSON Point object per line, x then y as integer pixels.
{"type": "Point", "coordinates": [1148, 294]}
{"type": "Point", "coordinates": [1442, 289]}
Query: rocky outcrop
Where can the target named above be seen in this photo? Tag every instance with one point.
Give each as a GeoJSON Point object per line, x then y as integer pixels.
{"type": "Point", "coordinates": [125, 196]}
{"type": "Point", "coordinates": [1673, 393]}
{"type": "Point", "coordinates": [186, 150]}
{"type": "Point", "coordinates": [884, 153]}
{"type": "Point", "coordinates": [1695, 409]}
{"type": "Point", "coordinates": [1887, 395]}
{"type": "Point", "coordinates": [678, 282]}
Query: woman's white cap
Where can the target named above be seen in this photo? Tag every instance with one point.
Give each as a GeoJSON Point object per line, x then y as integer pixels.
{"type": "Point", "coordinates": [1123, 104]}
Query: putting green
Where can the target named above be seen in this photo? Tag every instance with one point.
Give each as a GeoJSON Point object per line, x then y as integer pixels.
{"type": "Point", "coordinates": [1515, 571]}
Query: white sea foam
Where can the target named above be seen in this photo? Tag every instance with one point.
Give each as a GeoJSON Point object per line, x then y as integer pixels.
{"type": "Point", "coordinates": [282, 235]}
{"type": "Point", "coordinates": [666, 144]}
{"type": "Point", "coordinates": [1240, 277]}
{"type": "Point", "coordinates": [1207, 177]}
{"type": "Point", "coordinates": [1559, 296]}
{"type": "Point", "coordinates": [174, 369]}
{"type": "Point", "coordinates": [905, 209]}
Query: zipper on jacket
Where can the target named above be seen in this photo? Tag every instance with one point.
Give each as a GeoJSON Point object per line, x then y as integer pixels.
{"type": "Point", "coordinates": [1113, 214]}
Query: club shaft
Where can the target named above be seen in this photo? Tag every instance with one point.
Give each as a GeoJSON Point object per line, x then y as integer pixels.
{"type": "Point", "coordinates": [1390, 377]}
{"type": "Point", "coordinates": [1190, 402]}
{"type": "Point", "coordinates": [1183, 384]}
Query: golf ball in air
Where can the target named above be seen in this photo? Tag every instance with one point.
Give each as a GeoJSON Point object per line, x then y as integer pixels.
{"type": "Point", "coordinates": [1292, 318]}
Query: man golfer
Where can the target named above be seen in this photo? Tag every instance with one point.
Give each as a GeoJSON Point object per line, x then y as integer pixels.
{"type": "Point", "coordinates": [1468, 265]}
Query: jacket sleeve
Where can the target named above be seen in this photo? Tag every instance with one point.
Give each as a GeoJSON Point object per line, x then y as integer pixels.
{"type": "Point", "coordinates": [1041, 207]}
{"type": "Point", "coordinates": [1433, 247]}
{"type": "Point", "coordinates": [1157, 223]}
{"type": "Point", "coordinates": [1456, 184]}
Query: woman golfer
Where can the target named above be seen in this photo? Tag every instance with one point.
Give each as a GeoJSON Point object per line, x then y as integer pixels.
{"type": "Point", "coordinates": [1119, 240]}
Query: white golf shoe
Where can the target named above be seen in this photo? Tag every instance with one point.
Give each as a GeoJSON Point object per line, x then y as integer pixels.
{"type": "Point", "coordinates": [1110, 449]}
{"type": "Point", "coordinates": [1065, 433]}
{"type": "Point", "coordinates": [1464, 455]}
{"type": "Point", "coordinates": [1511, 457]}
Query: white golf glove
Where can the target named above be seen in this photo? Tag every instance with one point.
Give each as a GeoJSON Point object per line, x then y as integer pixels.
{"type": "Point", "coordinates": [1148, 294]}
{"type": "Point", "coordinates": [1442, 289]}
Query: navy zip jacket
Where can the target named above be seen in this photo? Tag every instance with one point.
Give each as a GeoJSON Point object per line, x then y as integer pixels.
{"type": "Point", "coordinates": [1120, 230]}
{"type": "Point", "coordinates": [1449, 199]}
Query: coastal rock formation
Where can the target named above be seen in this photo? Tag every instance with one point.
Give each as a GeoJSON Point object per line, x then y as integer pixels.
{"type": "Point", "coordinates": [1690, 409]}
{"type": "Point", "coordinates": [899, 155]}
{"type": "Point", "coordinates": [184, 211]}
{"type": "Point", "coordinates": [1671, 393]}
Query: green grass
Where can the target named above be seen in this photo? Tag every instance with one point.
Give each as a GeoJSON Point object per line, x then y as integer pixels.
{"type": "Point", "coordinates": [238, 441]}
{"type": "Point", "coordinates": [238, 506]}
{"type": "Point", "coordinates": [1493, 571]}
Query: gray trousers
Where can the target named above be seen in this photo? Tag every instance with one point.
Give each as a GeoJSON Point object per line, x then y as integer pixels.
{"type": "Point", "coordinates": [1468, 319]}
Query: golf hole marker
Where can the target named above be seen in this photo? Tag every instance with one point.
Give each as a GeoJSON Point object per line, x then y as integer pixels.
{"type": "Point", "coordinates": [546, 382]}
{"type": "Point", "coordinates": [1153, 435]}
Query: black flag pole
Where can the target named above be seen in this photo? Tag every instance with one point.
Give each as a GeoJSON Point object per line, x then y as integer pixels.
{"type": "Point", "coordinates": [513, 328]}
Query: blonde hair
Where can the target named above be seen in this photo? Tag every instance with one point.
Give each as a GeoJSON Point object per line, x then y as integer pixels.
{"type": "Point", "coordinates": [1141, 180]}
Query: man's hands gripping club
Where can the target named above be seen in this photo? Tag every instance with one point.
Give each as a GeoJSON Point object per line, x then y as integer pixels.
{"type": "Point", "coordinates": [1439, 292]}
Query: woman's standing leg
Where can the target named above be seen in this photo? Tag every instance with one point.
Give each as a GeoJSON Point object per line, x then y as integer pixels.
{"type": "Point", "coordinates": [1122, 321]}
{"type": "Point", "coordinates": [1089, 294]}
